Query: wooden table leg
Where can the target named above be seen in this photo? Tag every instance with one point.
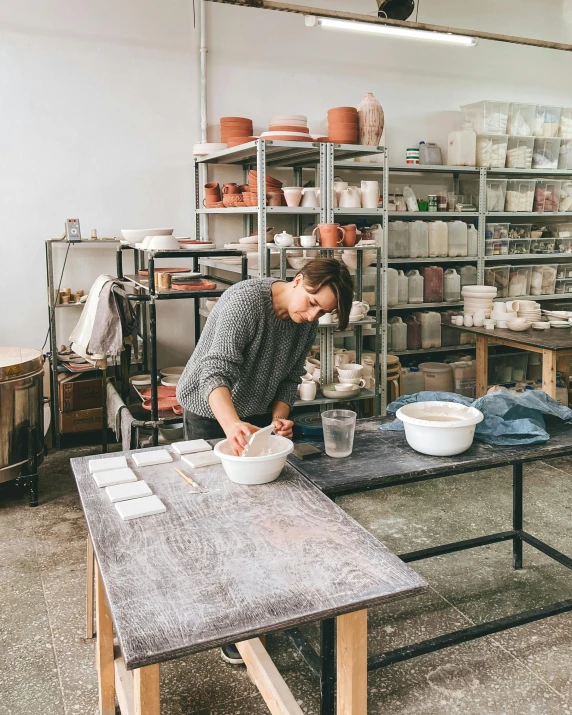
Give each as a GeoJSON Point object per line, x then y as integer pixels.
{"type": "Point", "coordinates": [549, 372]}
{"type": "Point", "coordinates": [104, 650]}
{"type": "Point", "coordinates": [146, 690]}
{"type": "Point", "coordinates": [89, 590]}
{"type": "Point", "coordinates": [482, 356]}
{"type": "Point", "coordinates": [563, 365]}
{"type": "Point", "coordinates": [352, 663]}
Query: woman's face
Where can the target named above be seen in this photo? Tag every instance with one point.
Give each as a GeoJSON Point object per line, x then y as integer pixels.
{"type": "Point", "coordinates": [306, 307]}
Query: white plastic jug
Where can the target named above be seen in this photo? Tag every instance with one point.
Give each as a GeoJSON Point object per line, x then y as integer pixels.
{"type": "Point", "coordinates": [415, 287]}
{"type": "Point", "coordinates": [462, 149]}
{"type": "Point", "coordinates": [430, 329]}
{"type": "Point", "coordinates": [457, 239]}
{"type": "Point", "coordinates": [398, 239]}
{"type": "Point", "coordinates": [412, 381]}
{"type": "Point", "coordinates": [410, 199]}
{"type": "Point", "coordinates": [438, 239]}
{"type": "Point", "coordinates": [398, 334]}
{"type": "Point", "coordinates": [402, 287]}
{"type": "Point", "coordinates": [438, 376]}
{"type": "Point", "coordinates": [468, 276]}
{"type": "Point", "coordinates": [465, 377]}
{"type": "Point", "coordinates": [377, 234]}
{"type": "Point", "coordinates": [418, 240]}
{"type": "Point", "coordinates": [472, 241]}
{"type": "Point", "coordinates": [392, 287]}
{"type": "Point", "coordinates": [452, 285]}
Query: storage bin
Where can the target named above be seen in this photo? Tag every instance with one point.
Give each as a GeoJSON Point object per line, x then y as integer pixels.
{"type": "Point", "coordinates": [430, 153]}
{"type": "Point", "coordinates": [465, 377]}
{"type": "Point", "coordinates": [468, 275]}
{"type": "Point", "coordinates": [472, 241]}
{"type": "Point", "coordinates": [462, 147]}
{"type": "Point", "coordinates": [458, 241]}
{"type": "Point", "coordinates": [498, 277]}
{"type": "Point", "coordinates": [562, 231]}
{"type": "Point", "coordinates": [521, 119]}
{"type": "Point", "coordinates": [415, 286]}
{"type": "Point", "coordinates": [565, 155]}
{"type": "Point", "coordinates": [547, 121]}
{"type": "Point", "coordinates": [438, 239]}
{"type": "Point", "coordinates": [519, 281]}
{"type": "Point", "coordinates": [438, 376]}
{"type": "Point", "coordinates": [491, 150]}
{"type": "Point", "coordinates": [519, 152]}
{"type": "Point", "coordinates": [487, 117]}
{"type": "Point", "coordinates": [497, 230]}
{"type": "Point", "coordinates": [412, 381]}
{"type": "Point", "coordinates": [496, 246]}
{"type": "Point", "coordinates": [563, 286]}
{"type": "Point", "coordinates": [398, 334]}
{"type": "Point", "coordinates": [520, 195]}
{"type": "Point", "coordinates": [402, 287]}
{"type": "Point", "coordinates": [565, 196]}
{"type": "Point", "coordinates": [413, 333]}
{"type": "Point", "coordinates": [451, 285]}
{"type": "Point", "coordinates": [564, 271]}
{"type": "Point", "coordinates": [547, 196]}
{"type": "Point", "coordinates": [392, 287]}
{"type": "Point", "coordinates": [418, 239]}
{"type": "Point", "coordinates": [430, 329]}
{"type": "Point", "coordinates": [543, 280]}
{"type": "Point", "coordinates": [433, 284]}
{"type": "Point", "coordinates": [543, 245]}
{"type": "Point", "coordinates": [519, 230]}
{"type": "Point", "coordinates": [565, 129]}
{"type": "Point", "coordinates": [519, 246]}
{"type": "Point", "coordinates": [398, 239]}
{"type": "Point", "coordinates": [496, 193]}
{"type": "Point", "coordinates": [546, 153]}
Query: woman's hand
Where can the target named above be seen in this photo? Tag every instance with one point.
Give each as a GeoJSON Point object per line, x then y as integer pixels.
{"type": "Point", "coordinates": [238, 434]}
{"type": "Point", "coordinates": [283, 427]}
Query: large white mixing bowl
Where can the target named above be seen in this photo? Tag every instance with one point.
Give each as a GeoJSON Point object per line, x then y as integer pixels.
{"type": "Point", "coordinates": [441, 429]}
{"type": "Point", "coordinates": [255, 470]}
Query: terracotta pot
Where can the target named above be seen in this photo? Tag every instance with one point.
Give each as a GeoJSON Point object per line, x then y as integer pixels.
{"type": "Point", "coordinates": [226, 120]}
{"type": "Point", "coordinates": [371, 120]}
{"type": "Point", "coordinates": [214, 204]}
{"type": "Point", "coordinates": [244, 187]}
{"type": "Point", "coordinates": [230, 189]}
{"type": "Point", "coordinates": [341, 110]}
{"type": "Point", "coordinates": [211, 187]}
{"type": "Point", "coordinates": [232, 200]}
{"type": "Point", "coordinates": [278, 128]}
{"type": "Point", "coordinates": [274, 198]}
{"type": "Point", "coordinates": [350, 236]}
{"type": "Point", "coordinates": [330, 235]}
{"type": "Point", "coordinates": [246, 197]}
{"type": "Point", "coordinates": [344, 138]}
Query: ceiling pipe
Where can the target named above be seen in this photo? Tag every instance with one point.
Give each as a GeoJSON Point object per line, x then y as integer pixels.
{"type": "Point", "coordinates": [336, 14]}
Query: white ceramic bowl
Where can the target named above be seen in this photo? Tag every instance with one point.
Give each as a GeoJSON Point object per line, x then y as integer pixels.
{"type": "Point", "coordinates": [518, 325]}
{"type": "Point", "coordinates": [172, 371]}
{"type": "Point", "coordinates": [137, 235]}
{"type": "Point", "coordinates": [170, 380]}
{"type": "Point", "coordinates": [298, 260]}
{"type": "Point", "coordinates": [172, 432]}
{"type": "Point", "coordinates": [441, 429]}
{"type": "Point", "coordinates": [163, 243]}
{"type": "Point", "coordinates": [255, 470]}
{"type": "Point", "coordinates": [479, 289]}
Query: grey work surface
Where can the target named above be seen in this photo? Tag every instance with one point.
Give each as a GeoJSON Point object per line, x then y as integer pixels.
{"type": "Point", "coordinates": [381, 459]}
{"type": "Point", "coordinates": [554, 339]}
{"type": "Point", "coordinates": [232, 564]}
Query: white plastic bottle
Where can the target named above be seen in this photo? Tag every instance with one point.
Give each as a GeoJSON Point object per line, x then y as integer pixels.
{"type": "Point", "coordinates": [457, 239]}
{"type": "Point", "coordinates": [452, 285]}
{"type": "Point", "coordinates": [412, 381]}
{"type": "Point", "coordinates": [398, 239]}
{"type": "Point", "coordinates": [415, 281]}
{"type": "Point", "coordinates": [410, 199]}
{"type": "Point", "coordinates": [398, 334]}
{"type": "Point", "coordinates": [468, 276]}
{"type": "Point", "coordinates": [472, 241]}
{"type": "Point", "coordinates": [402, 288]}
{"type": "Point", "coordinates": [418, 239]}
{"type": "Point", "coordinates": [462, 148]}
{"type": "Point", "coordinates": [430, 329]}
{"type": "Point", "coordinates": [392, 287]}
{"type": "Point", "coordinates": [438, 239]}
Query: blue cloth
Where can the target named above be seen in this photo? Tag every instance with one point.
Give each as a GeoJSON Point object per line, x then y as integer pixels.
{"type": "Point", "coordinates": [508, 418]}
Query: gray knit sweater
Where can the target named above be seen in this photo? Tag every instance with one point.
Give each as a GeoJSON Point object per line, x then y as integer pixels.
{"type": "Point", "coordinates": [247, 348]}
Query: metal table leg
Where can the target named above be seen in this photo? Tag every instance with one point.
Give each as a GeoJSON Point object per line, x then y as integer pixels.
{"type": "Point", "coordinates": [328, 669]}
{"type": "Point", "coordinates": [517, 510]}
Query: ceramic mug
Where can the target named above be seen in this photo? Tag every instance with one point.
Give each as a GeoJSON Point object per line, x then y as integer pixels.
{"type": "Point", "coordinates": [351, 370]}
{"type": "Point", "coordinates": [308, 391]}
{"type": "Point", "coordinates": [307, 241]}
{"type": "Point", "coordinates": [212, 188]}
{"type": "Point", "coordinates": [341, 359]}
{"type": "Point", "coordinates": [350, 236]}
{"type": "Point", "coordinates": [339, 186]}
{"type": "Point", "coordinates": [309, 367]}
{"type": "Point", "coordinates": [230, 189]}
{"type": "Point", "coordinates": [326, 319]}
{"type": "Point", "coordinates": [331, 235]}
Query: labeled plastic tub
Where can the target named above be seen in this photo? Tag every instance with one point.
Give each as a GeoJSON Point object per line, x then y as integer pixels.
{"type": "Point", "coordinates": [565, 155]}
{"type": "Point", "coordinates": [438, 376]}
{"type": "Point", "coordinates": [487, 117]}
{"type": "Point", "coordinates": [498, 277]}
{"type": "Point", "coordinates": [496, 194]}
{"type": "Point", "coordinates": [496, 247]}
{"type": "Point", "coordinates": [398, 239]}
{"type": "Point", "coordinates": [547, 196]}
{"type": "Point", "coordinates": [521, 119]}
{"type": "Point", "coordinates": [491, 150]}
{"type": "Point", "coordinates": [519, 152]}
{"type": "Point", "coordinates": [519, 230]}
{"type": "Point", "coordinates": [564, 271]}
{"type": "Point", "coordinates": [497, 230]}
{"type": "Point", "coordinates": [546, 153]}
{"type": "Point", "coordinates": [518, 246]}
{"type": "Point", "coordinates": [543, 245]}
{"type": "Point", "coordinates": [543, 280]}
{"type": "Point", "coordinates": [565, 129]}
{"type": "Point", "coordinates": [519, 281]}
{"type": "Point", "coordinates": [520, 195]}
{"type": "Point", "coordinates": [547, 121]}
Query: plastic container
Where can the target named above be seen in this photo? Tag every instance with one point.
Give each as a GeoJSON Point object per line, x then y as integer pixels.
{"type": "Point", "coordinates": [547, 196]}
{"type": "Point", "coordinates": [491, 150]}
{"type": "Point", "coordinates": [498, 277]}
{"type": "Point", "coordinates": [465, 377]}
{"type": "Point", "coordinates": [487, 117]}
{"type": "Point", "coordinates": [565, 129]}
{"type": "Point", "coordinates": [547, 121]}
{"type": "Point", "coordinates": [410, 199]}
{"type": "Point", "coordinates": [543, 280]}
{"type": "Point", "coordinates": [546, 153]}
{"type": "Point", "coordinates": [519, 230]}
{"type": "Point", "coordinates": [519, 246]}
{"type": "Point", "coordinates": [413, 333]}
{"type": "Point", "coordinates": [418, 239]}
{"type": "Point", "coordinates": [398, 239]}
{"type": "Point", "coordinates": [564, 245]}
{"type": "Point", "coordinates": [519, 281]}
{"type": "Point", "coordinates": [449, 335]}
{"type": "Point", "coordinates": [392, 287]}
{"type": "Point", "coordinates": [412, 381]}
{"type": "Point", "coordinates": [402, 288]}
{"type": "Point", "coordinates": [430, 153]}
{"type": "Point", "coordinates": [565, 155]}
{"type": "Point", "coordinates": [563, 230]}
{"type": "Point", "coordinates": [521, 119]}
{"type": "Point", "coordinates": [564, 271]}
{"type": "Point", "coordinates": [451, 285]}
{"type": "Point", "coordinates": [496, 246]}
{"type": "Point", "coordinates": [544, 246]}
{"type": "Point", "coordinates": [462, 147]}
{"type": "Point", "coordinates": [432, 284]}
{"type": "Point", "coordinates": [563, 286]}
{"type": "Point", "coordinates": [438, 376]}
{"type": "Point", "coordinates": [255, 470]}
{"type": "Point", "coordinates": [398, 334]}
{"type": "Point", "coordinates": [496, 193]}
{"type": "Point", "coordinates": [339, 429]}
{"type": "Point", "coordinates": [438, 239]}
{"type": "Point", "coordinates": [468, 275]}
{"type": "Point", "coordinates": [430, 329]}
{"type": "Point", "coordinates": [458, 241]}
{"type": "Point", "coordinates": [565, 196]}
{"type": "Point", "coordinates": [415, 286]}
{"type": "Point", "coordinates": [497, 230]}
{"type": "Point", "coordinates": [520, 195]}
{"type": "Point", "coordinates": [519, 152]}
{"type": "Point", "coordinates": [472, 241]}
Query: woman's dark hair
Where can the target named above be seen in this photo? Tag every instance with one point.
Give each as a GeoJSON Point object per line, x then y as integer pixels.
{"type": "Point", "coordinates": [330, 273]}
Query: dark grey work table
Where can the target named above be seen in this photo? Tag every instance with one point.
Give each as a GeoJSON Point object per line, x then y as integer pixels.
{"type": "Point", "coordinates": [232, 564]}
{"type": "Point", "coordinates": [381, 459]}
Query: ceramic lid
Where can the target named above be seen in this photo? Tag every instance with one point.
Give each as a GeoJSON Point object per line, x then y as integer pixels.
{"type": "Point", "coordinates": [16, 362]}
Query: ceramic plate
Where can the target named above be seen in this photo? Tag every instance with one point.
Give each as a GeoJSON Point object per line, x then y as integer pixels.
{"type": "Point", "coordinates": [331, 392]}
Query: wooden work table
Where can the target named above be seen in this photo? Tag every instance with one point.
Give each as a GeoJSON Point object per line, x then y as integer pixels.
{"type": "Point", "coordinates": [555, 346]}
{"type": "Point", "coordinates": [230, 566]}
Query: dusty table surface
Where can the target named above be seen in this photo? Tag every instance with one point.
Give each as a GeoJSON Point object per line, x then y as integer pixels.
{"type": "Point", "coordinates": [232, 564]}
{"type": "Point", "coordinates": [383, 458]}
{"type": "Point", "coordinates": [553, 339]}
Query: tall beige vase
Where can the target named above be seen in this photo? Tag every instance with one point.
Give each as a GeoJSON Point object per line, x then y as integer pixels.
{"type": "Point", "coordinates": [371, 120]}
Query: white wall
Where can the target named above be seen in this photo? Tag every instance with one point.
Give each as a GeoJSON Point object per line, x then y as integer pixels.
{"type": "Point", "coordinates": [121, 156]}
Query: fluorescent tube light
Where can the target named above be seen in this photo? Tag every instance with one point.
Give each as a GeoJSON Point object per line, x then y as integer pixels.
{"type": "Point", "coordinates": [391, 30]}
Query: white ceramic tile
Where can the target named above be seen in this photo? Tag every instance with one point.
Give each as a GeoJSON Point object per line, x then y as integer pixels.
{"type": "Point", "coordinates": [132, 490]}
{"type": "Point", "coordinates": [150, 457]}
{"type": "Point", "coordinates": [203, 459]}
{"type": "Point", "coordinates": [134, 508]}
{"type": "Point", "coordinates": [191, 446]}
{"type": "Point", "coordinates": [114, 476]}
{"type": "Point", "coordinates": [105, 464]}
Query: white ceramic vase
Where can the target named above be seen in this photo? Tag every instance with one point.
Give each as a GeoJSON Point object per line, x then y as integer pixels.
{"type": "Point", "coordinates": [369, 194]}
{"type": "Point", "coordinates": [371, 120]}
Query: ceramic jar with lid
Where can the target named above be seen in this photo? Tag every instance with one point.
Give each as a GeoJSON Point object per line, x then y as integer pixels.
{"type": "Point", "coordinates": [438, 376]}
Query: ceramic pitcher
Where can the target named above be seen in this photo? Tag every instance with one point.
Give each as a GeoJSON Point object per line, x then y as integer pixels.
{"type": "Point", "coordinates": [369, 194]}
{"type": "Point", "coordinates": [350, 198]}
{"type": "Point", "coordinates": [310, 197]}
{"type": "Point", "coordinates": [330, 235]}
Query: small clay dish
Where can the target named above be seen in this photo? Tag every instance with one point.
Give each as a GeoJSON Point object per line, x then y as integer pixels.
{"type": "Point", "coordinates": [278, 128]}
{"type": "Point", "coordinates": [214, 204]}
{"type": "Point", "coordinates": [163, 404]}
{"type": "Point", "coordinates": [162, 392]}
{"type": "Point", "coordinates": [232, 200]}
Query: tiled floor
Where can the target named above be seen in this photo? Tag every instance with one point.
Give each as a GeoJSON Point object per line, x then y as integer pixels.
{"type": "Point", "coordinates": [46, 666]}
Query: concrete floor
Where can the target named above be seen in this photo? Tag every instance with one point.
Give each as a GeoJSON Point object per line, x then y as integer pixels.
{"type": "Point", "coordinates": [46, 667]}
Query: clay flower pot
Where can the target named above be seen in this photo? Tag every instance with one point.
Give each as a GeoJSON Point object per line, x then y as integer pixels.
{"type": "Point", "coordinates": [226, 120]}
{"type": "Point", "coordinates": [278, 128]}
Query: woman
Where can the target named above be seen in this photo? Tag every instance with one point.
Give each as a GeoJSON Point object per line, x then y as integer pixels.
{"type": "Point", "coordinates": [246, 367]}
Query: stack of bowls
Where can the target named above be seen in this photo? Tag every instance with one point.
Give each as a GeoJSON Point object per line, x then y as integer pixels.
{"type": "Point", "coordinates": [272, 186]}
{"type": "Point", "coordinates": [288, 127]}
{"type": "Point", "coordinates": [236, 130]}
{"type": "Point", "coordinates": [530, 310]}
{"type": "Point", "coordinates": [343, 125]}
{"type": "Point", "coordinates": [478, 299]}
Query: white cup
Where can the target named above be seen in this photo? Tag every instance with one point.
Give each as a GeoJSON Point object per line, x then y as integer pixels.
{"type": "Point", "coordinates": [500, 308]}
{"type": "Point", "coordinates": [307, 241]}
{"type": "Point", "coordinates": [309, 367]}
{"type": "Point", "coordinates": [326, 319]}
{"type": "Point", "coordinates": [308, 391]}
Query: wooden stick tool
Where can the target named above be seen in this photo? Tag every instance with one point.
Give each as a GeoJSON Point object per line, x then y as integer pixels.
{"type": "Point", "coordinates": [197, 487]}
